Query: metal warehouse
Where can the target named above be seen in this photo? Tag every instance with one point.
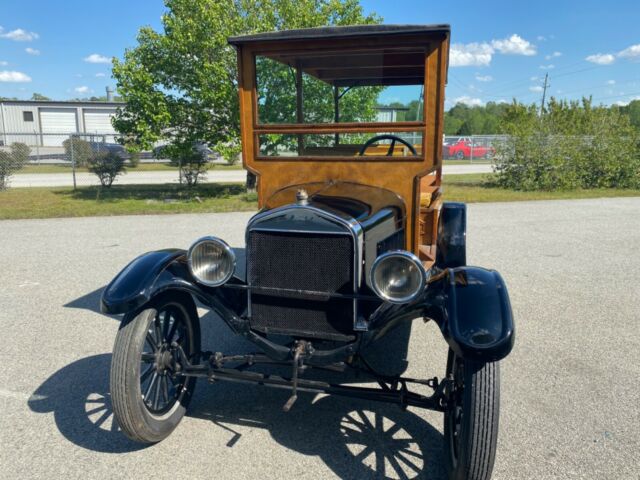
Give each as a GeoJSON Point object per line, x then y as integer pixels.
{"type": "Point", "coordinates": [49, 123]}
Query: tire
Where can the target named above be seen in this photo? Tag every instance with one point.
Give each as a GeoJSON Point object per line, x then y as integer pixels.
{"type": "Point", "coordinates": [471, 419]}
{"type": "Point", "coordinates": [151, 416]}
{"type": "Point", "coordinates": [460, 155]}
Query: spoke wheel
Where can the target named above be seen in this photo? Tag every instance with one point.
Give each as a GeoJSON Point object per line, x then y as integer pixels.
{"type": "Point", "coordinates": [161, 388]}
{"type": "Point", "coordinates": [471, 418]}
{"type": "Point", "coordinates": [149, 395]}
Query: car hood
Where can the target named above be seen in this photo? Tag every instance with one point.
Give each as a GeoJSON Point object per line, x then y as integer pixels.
{"type": "Point", "coordinates": [358, 201]}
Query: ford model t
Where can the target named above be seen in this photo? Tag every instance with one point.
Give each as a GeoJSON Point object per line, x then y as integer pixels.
{"type": "Point", "coordinates": [351, 244]}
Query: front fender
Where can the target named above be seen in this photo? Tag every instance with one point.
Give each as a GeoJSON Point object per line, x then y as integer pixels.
{"type": "Point", "coordinates": [471, 305]}
{"type": "Point", "coordinates": [145, 277]}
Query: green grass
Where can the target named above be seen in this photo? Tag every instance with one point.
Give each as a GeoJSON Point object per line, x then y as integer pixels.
{"type": "Point", "coordinates": [478, 187]}
{"type": "Point", "coordinates": [123, 200]}
{"type": "Point", "coordinates": [143, 167]}
{"type": "Point", "coordinates": [170, 198]}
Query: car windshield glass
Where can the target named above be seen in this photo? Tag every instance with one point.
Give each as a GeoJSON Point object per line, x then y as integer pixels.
{"type": "Point", "coordinates": [375, 93]}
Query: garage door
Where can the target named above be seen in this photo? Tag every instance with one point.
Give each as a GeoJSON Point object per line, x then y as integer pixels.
{"type": "Point", "coordinates": [99, 121]}
{"type": "Point", "coordinates": [57, 124]}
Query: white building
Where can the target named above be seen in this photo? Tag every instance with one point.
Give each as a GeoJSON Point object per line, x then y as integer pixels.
{"type": "Point", "coordinates": [49, 123]}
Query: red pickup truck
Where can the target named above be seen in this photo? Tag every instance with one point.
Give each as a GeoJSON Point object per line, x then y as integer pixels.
{"type": "Point", "coordinates": [465, 148]}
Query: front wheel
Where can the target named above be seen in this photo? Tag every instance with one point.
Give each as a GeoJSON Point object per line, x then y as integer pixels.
{"type": "Point", "coordinates": [471, 418]}
{"type": "Point", "coordinates": [149, 399]}
{"type": "Point", "coordinates": [460, 155]}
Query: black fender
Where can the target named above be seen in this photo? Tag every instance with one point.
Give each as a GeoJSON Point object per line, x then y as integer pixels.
{"type": "Point", "coordinates": [451, 248]}
{"type": "Point", "coordinates": [472, 308]}
{"type": "Point", "coordinates": [470, 305]}
{"type": "Point", "coordinates": [146, 277]}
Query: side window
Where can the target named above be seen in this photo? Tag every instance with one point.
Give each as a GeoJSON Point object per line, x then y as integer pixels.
{"type": "Point", "coordinates": [27, 116]}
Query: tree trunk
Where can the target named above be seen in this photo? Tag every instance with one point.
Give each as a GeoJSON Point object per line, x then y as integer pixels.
{"type": "Point", "coordinates": [251, 182]}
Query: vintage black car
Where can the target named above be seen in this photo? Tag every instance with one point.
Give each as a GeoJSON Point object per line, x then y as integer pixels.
{"type": "Point", "coordinates": [352, 243]}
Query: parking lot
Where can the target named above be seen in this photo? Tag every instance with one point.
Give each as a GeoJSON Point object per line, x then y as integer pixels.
{"type": "Point", "coordinates": [570, 389]}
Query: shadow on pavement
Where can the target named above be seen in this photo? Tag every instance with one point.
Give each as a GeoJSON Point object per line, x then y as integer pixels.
{"type": "Point", "coordinates": [355, 438]}
{"type": "Point", "coordinates": [78, 396]}
{"type": "Point", "coordinates": [89, 301]}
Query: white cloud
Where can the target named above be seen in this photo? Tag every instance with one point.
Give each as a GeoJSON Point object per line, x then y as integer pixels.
{"type": "Point", "coordinates": [514, 45]}
{"type": "Point", "coordinates": [12, 76]}
{"type": "Point", "coordinates": [632, 52]}
{"type": "Point", "coordinates": [541, 38]}
{"type": "Point", "coordinates": [19, 35]}
{"type": "Point", "coordinates": [624, 103]}
{"type": "Point", "coordinates": [553, 55]}
{"type": "Point", "coordinates": [601, 58]}
{"type": "Point", "coordinates": [480, 54]}
{"type": "Point", "coordinates": [100, 75]}
{"type": "Point", "coordinates": [470, 54]}
{"type": "Point", "coordinates": [551, 66]}
{"type": "Point", "coordinates": [484, 78]}
{"type": "Point", "coordinates": [32, 51]}
{"type": "Point", "coordinates": [535, 88]}
{"type": "Point", "coordinates": [533, 79]}
{"type": "Point", "coordinates": [97, 58]}
{"type": "Point", "coordinates": [3, 63]}
{"type": "Point", "coordinates": [465, 99]}
{"type": "Point", "coordinates": [83, 89]}
{"type": "Point", "coordinates": [611, 82]}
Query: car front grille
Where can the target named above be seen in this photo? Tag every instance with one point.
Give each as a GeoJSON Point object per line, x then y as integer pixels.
{"type": "Point", "coordinates": [294, 278]}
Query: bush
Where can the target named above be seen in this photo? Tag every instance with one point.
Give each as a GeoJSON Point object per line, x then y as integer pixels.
{"type": "Point", "coordinates": [570, 145]}
{"type": "Point", "coordinates": [192, 163]}
{"type": "Point", "coordinates": [134, 159]}
{"type": "Point", "coordinates": [11, 161]}
{"type": "Point", "coordinates": [82, 152]}
{"type": "Point", "coordinates": [107, 166]}
{"type": "Point", "coordinates": [230, 151]}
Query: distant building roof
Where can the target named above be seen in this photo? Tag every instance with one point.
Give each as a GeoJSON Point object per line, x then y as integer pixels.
{"type": "Point", "coordinates": [62, 102]}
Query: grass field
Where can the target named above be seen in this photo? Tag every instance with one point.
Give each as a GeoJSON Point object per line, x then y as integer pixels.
{"type": "Point", "coordinates": [143, 167]}
{"type": "Point", "coordinates": [155, 199]}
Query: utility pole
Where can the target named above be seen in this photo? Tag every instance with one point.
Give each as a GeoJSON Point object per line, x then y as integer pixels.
{"type": "Point", "coordinates": [544, 91]}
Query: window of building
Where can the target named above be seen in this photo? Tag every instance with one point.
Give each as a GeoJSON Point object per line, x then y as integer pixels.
{"type": "Point", "coordinates": [27, 116]}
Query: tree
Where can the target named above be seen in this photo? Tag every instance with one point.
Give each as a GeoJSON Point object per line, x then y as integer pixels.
{"type": "Point", "coordinates": [571, 145]}
{"type": "Point", "coordinates": [182, 83]}
{"type": "Point", "coordinates": [39, 97]}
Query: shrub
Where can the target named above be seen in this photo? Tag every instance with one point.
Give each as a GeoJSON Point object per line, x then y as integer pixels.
{"type": "Point", "coordinates": [82, 152]}
{"type": "Point", "coordinates": [11, 161]}
{"type": "Point", "coordinates": [192, 163]}
{"type": "Point", "coordinates": [107, 166]}
{"type": "Point", "coordinates": [230, 151]}
{"type": "Point", "coordinates": [570, 145]}
{"type": "Point", "coordinates": [134, 159]}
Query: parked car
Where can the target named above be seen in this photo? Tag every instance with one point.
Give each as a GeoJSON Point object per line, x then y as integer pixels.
{"type": "Point", "coordinates": [466, 148]}
{"type": "Point", "coordinates": [104, 147]}
{"type": "Point", "coordinates": [160, 151]}
{"type": "Point", "coordinates": [346, 251]}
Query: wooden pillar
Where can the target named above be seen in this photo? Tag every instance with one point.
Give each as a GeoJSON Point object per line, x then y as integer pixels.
{"type": "Point", "coordinates": [299, 111]}
{"type": "Point", "coordinates": [336, 111]}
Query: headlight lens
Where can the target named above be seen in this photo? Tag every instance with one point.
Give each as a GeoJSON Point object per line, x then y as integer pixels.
{"type": "Point", "coordinates": [211, 261]}
{"type": "Point", "coordinates": [398, 276]}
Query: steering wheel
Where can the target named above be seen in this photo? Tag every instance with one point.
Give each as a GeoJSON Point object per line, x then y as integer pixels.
{"type": "Point", "coordinates": [393, 138]}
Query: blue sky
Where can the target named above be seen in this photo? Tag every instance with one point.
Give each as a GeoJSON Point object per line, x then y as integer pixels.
{"type": "Point", "coordinates": [500, 49]}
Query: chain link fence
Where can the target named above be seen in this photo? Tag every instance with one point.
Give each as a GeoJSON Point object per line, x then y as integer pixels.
{"type": "Point", "coordinates": [80, 159]}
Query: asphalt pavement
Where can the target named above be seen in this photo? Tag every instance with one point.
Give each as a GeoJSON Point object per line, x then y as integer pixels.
{"type": "Point", "coordinates": [570, 406]}
{"type": "Point", "coordinates": [21, 180]}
